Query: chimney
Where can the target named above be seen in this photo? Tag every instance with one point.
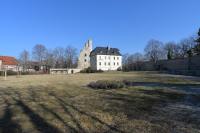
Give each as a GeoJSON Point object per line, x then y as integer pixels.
{"type": "Point", "coordinates": [108, 47]}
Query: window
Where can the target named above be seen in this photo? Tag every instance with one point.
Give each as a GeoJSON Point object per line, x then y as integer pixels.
{"type": "Point", "coordinates": [85, 55]}
{"type": "Point", "coordinates": [105, 57]}
{"type": "Point", "coordinates": [117, 58]}
{"type": "Point", "coordinates": [114, 58]}
{"type": "Point", "coordinates": [118, 63]}
{"type": "Point", "coordinates": [109, 57]}
{"type": "Point", "coordinates": [85, 60]}
{"type": "Point", "coordinates": [99, 63]}
{"type": "Point", "coordinates": [114, 63]}
{"type": "Point", "coordinates": [99, 57]}
{"type": "Point", "coordinates": [109, 63]}
{"type": "Point", "coordinates": [105, 63]}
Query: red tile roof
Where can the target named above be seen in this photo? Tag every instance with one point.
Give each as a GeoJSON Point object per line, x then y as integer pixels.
{"type": "Point", "coordinates": [8, 60]}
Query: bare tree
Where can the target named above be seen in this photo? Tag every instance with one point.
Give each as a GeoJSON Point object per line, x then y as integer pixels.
{"type": "Point", "coordinates": [138, 57]}
{"type": "Point", "coordinates": [24, 59]}
{"type": "Point", "coordinates": [39, 53]}
{"type": "Point", "coordinates": [170, 48]}
{"type": "Point", "coordinates": [49, 59]}
{"type": "Point", "coordinates": [185, 46]}
{"type": "Point", "coordinates": [125, 62]}
{"type": "Point", "coordinates": [154, 50]}
{"type": "Point", "coordinates": [59, 56]}
{"type": "Point", "coordinates": [132, 62]}
{"type": "Point", "coordinates": [71, 56]}
{"type": "Point", "coordinates": [124, 58]}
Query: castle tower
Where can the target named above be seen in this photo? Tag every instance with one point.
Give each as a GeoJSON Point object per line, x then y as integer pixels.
{"type": "Point", "coordinates": [84, 58]}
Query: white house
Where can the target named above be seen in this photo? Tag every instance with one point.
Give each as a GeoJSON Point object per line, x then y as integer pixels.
{"type": "Point", "coordinates": [8, 63]}
{"type": "Point", "coordinates": [105, 58]}
{"type": "Point", "coordinates": [101, 58]}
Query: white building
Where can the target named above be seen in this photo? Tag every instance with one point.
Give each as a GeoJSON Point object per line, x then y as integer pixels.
{"type": "Point", "coordinates": [101, 58]}
{"type": "Point", "coordinates": [8, 63]}
{"type": "Point", "coordinates": [105, 58]}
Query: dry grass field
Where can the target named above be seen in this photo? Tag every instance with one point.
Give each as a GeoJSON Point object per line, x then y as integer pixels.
{"type": "Point", "coordinates": [156, 103]}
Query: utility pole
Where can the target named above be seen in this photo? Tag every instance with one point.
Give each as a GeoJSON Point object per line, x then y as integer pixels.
{"type": "Point", "coordinates": [5, 75]}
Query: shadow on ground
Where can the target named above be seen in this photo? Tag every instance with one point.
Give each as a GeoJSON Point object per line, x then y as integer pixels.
{"type": "Point", "coordinates": [168, 108]}
{"type": "Point", "coordinates": [170, 105]}
{"type": "Point", "coordinates": [39, 122]}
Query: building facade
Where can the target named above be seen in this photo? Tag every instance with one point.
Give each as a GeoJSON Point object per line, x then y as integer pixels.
{"type": "Point", "coordinates": [8, 63]}
{"type": "Point", "coordinates": [84, 57]}
{"type": "Point", "coordinates": [105, 58]}
{"type": "Point", "coordinates": [101, 58]}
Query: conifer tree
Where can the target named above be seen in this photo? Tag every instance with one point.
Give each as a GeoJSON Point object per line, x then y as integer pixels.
{"type": "Point", "coordinates": [197, 47]}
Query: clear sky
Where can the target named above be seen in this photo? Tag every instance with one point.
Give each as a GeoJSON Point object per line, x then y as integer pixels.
{"type": "Point", "coordinates": [125, 24]}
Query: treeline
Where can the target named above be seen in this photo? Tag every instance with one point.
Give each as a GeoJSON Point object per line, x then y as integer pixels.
{"type": "Point", "coordinates": [59, 57]}
{"type": "Point", "coordinates": [156, 50]}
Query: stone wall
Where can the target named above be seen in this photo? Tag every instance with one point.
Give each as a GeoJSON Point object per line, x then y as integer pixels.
{"type": "Point", "coordinates": [84, 57]}
{"type": "Point", "coordinates": [64, 71]}
{"type": "Point", "coordinates": [186, 66]}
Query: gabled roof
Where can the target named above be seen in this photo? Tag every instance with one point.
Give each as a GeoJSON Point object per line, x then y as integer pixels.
{"type": "Point", "coordinates": [105, 51]}
{"type": "Point", "coordinates": [8, 60]}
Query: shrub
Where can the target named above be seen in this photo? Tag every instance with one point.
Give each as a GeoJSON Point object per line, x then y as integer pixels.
{"type": "Point", "coordinates": [12, 73]}
{"type": "Point", "coordinates": [119, 69]}
{"type": "Point", "coordinates": [105, 84]}
{"type": "Point", "coordinates": [9, 72]}
{"type": "Point", "coordinates": [89, 70]}
{"type": "Point", "coordinates": [128, 83]}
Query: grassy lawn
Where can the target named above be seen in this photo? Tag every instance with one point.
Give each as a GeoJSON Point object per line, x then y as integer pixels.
{"type": "Point", "coordinates": [156, 103]}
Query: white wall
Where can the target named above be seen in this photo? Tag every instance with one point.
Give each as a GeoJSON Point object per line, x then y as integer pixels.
{"type": "Point", "coordinates": [106, 62]}
{"type": "Point", "coordinates": [12, 67]}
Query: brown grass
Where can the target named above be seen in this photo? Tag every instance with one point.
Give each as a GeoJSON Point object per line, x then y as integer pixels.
{"type": "Point", "coordinates": [63, 103]}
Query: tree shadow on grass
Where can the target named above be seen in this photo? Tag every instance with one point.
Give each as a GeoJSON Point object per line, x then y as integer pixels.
{"type": "Point", "coordinates": [135, 106]}
{"type": "Point", "coordinates": [40, 124]}
{"type": "Point", "coordinates": [37, 120]}
{"type": "Point", "coordinates": [66, 105]}
{"type": "Point", "coordinates": [151, 105]}
{"type": "Point", "coordinates": [34, 96]}
{"type": "Point", "coordinates": [70, 128]}
{"type": "Point", "coordinates": [7, 125]}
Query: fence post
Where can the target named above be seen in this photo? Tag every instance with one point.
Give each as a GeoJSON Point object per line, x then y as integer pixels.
{"type": "Point", "coordinates": [5, 74]}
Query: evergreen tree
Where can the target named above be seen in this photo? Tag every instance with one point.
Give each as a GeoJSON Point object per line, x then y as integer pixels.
{"type": "Point", "coordinates": [169, 54]}
{"type": "Point", "coordinates": [197, 47]}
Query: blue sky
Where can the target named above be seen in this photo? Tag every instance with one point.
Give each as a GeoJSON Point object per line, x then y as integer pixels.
{"type": "Point", "coordinates": [125, 24]}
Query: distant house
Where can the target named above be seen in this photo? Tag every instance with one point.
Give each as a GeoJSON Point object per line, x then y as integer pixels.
{"type": "Point", "coordinates": [105, 58]}
{"type": "Point", "coordinates": [8, 63]}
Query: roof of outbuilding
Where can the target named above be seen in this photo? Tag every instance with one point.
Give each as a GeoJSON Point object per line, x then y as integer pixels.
{"type": "Point", "coordinates": [105, 51]}
{"type": "Point", "coordinates": [8, 60]}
